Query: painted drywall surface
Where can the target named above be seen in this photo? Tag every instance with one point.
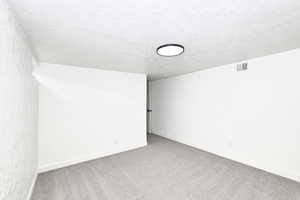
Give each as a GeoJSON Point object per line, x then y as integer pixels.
{"type": "Point", "coordinates": [249, 116]}
{"type": "Point", "coordinates": [18, 110]}
{"type": "Point", "coordinates": [88, 113]}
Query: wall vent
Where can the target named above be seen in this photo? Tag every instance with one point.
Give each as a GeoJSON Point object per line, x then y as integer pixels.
{"type": "Point", "coordinates": [242, 67]}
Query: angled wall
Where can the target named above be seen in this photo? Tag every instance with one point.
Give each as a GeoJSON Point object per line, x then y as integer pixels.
{"type": "Point", "coordinates": [88, 113]}
{"type": "Point", "coordinates": [18, 110]}
{"type": "Point", "coordinates": [249, 116]}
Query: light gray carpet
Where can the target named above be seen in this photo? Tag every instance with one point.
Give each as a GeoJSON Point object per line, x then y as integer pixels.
{"type": "Point", "coordinates": [164, 170]}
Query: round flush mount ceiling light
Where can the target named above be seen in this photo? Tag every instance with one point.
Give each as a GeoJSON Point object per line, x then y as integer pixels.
{"type": "Point", "coordinates": [169, 50]}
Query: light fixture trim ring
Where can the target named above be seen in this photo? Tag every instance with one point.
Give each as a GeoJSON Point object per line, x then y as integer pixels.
{"type": "Point", "coordinates": [179, 46]}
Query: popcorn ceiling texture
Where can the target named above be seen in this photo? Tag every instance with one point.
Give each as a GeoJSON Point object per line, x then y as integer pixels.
{"type": "Point", "coordinates": [18, 109]}
{"type": "Point", "coordinates": [123, 36]}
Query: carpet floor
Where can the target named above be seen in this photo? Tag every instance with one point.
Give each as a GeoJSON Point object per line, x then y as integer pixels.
{"type": "Point", "coordinates": [163, 170]}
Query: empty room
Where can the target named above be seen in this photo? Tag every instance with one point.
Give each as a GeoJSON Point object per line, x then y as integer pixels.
{"type": "Point", "coordinates": [149, 100]}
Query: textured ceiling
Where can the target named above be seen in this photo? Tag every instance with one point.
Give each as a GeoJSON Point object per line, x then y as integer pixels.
{"type": "Point", "coordinates": [123, 35]}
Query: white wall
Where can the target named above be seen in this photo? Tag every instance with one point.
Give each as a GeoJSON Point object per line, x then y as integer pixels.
{"type": "Point", "coordinates": [88, 113]}
{"type": "Point", "coordinates": [250, 116]}
{"type": "Point", "coordinates": [18, 110]}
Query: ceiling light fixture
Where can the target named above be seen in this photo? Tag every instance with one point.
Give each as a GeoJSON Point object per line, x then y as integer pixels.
{"type": "Point", "coordinates": [169, 50]}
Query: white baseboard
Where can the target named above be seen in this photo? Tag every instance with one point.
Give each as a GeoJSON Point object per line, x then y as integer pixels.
{"type": "Point", "coordinates": [84, 158]}
{"type": "Point", "coordinates": [276, 170]}
{"type": "Point", "coordinates": [30, 191]}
